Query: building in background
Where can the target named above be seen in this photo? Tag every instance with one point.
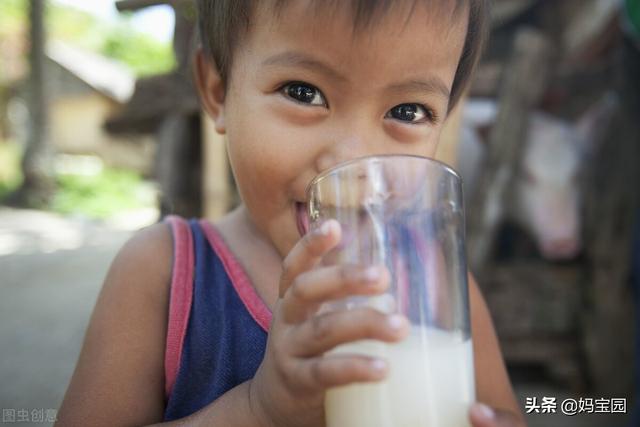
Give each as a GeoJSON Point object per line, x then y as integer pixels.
{"type": "Point", "coordinates": [86, 89]}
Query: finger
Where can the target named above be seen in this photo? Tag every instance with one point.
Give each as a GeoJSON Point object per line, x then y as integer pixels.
{"type": "Point", "coordinates": [324, 372]}
{"type": "Point", "coordinates": [482, 415]}
{"type": "Point", "coordinates": [308, 252]}
{"type": "Point", "coordinates": [312, 288]}
{"type": "Point", "coordinates": [324, 332]}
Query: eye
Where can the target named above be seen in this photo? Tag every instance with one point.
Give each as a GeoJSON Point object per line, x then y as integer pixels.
{"type": "Point", "coordinates": [411, 113]}
{"type": "Point", "coordinates": [304, 93]}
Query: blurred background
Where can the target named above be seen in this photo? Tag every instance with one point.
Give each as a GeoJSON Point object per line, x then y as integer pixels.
{"type": "Point", "coordinates": [101, 134]}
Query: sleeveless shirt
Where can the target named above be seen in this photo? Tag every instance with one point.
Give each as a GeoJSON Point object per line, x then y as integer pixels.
{"type": "Point", "coordinates": [217, 327]}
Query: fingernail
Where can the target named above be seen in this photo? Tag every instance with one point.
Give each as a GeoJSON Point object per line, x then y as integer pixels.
{"type": "Point", "coordinates": [483, 411]}
{"type": "Point", "coordinates": [325, 229]}
{"type": "Point", "coordinates": [396, 322]}
{"type": "Point", "coordinates": [378, 365]}
{"type": "Point", "coordinates": [372, 273]}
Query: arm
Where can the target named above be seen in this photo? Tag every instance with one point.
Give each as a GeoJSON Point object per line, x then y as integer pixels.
{"type": "Point", "coordinates": [493, 387]}
{"type": "Point", "coordinates": [119, 377]}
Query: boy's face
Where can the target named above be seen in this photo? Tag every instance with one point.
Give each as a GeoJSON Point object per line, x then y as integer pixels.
{"type": "Point", "coordinates": [305, 93]}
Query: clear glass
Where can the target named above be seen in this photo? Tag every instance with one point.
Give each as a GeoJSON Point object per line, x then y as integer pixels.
{"type": "Point", "coordinates": [404, 212]}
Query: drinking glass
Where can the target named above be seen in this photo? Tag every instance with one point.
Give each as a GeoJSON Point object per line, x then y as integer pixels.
{"type": "Point", "coordinates": [406, 213]}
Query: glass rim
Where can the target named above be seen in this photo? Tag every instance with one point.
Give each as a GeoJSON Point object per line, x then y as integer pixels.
{"type": "Point", "coordinates": [324, 174]}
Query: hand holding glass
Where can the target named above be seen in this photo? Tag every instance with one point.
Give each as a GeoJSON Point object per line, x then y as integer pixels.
{"type": "Point", "coordinates": [403, 212]}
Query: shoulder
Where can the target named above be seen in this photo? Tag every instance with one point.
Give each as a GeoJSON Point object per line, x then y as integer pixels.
{"type": "Point", "coordinates": [146, 259]}
{"type": "Point", "coordinates": [142, 268]}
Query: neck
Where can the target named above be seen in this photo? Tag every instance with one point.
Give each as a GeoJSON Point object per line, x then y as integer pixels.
{"type": "Point", "coordinates": [257, 254]}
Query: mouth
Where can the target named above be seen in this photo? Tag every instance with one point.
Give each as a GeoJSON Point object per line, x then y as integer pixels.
{"type": "Point", "coordinates": [302, 217]}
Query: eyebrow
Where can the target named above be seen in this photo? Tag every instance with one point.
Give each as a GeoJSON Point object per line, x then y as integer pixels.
{"type": "Point", "coordinates": [431, 85]}
{"type": "Point", "coordinates": [297, 59]}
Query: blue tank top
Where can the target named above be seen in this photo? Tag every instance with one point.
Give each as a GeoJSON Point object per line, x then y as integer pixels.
{"type": "Point", "coordinates": [217, 329]}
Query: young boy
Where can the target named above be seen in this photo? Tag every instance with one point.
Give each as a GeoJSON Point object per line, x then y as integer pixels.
{"type": "Point", "coordinates": [179, 332]}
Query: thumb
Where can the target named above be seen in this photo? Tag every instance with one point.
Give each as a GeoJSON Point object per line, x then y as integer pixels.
{"type": "Point", "coordinates": [482, 415]}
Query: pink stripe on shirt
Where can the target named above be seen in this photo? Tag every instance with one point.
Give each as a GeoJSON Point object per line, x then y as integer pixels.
{"type": "Point", "coordinates": [241, 282]}
{"type": "Point", "coordinates": [180, 299]}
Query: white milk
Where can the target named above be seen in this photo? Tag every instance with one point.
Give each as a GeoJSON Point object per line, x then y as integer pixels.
{"type": "Point", "coordinates": [430, 384]}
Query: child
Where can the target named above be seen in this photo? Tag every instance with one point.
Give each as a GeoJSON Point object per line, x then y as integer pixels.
{"type": "Point", "coordinates": [179, 331]}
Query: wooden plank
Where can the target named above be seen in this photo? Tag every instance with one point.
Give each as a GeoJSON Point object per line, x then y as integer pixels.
{"type": "Point", "coordinates": [132, 5]}
{"type": "Point", "coordinates": [559, 355]}
{"type": "Point", "coordinates": [524, 83]}
{"type": "Point", "coordinates": [503, 12]}
{"type": "Point", "coordinates": [588, 25]}
{"type": "Point", "coordinates": [533, 298]}
{"type": "Point", "coordinates": [154, 98]}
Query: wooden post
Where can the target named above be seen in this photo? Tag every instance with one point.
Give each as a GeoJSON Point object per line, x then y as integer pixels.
{"type": "Point", "coordinates": [612, 202]}
{"type": "Point", "coordinates": [179, 165]}
{"type": "Point", "coordinates": [218, 188]}
{"type": "Point", "coordinates": [524, 82]}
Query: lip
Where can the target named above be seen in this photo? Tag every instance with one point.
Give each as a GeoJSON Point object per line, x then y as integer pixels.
{"type": "Point", "coordinates": [302, 217]}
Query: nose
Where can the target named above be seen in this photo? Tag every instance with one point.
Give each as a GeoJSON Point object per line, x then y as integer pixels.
{"type": "Point", "coordinates": [345, 149]}
{"type": "Point", "coordinates": [561, 249]}
{"type": "Point", "coordinates": [355, 135]}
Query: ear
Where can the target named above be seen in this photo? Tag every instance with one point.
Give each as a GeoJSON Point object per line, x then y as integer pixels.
{"type": "Point", "coordinates": [592, 125]}
{"type": "Point", "coordinates": [210, 88]}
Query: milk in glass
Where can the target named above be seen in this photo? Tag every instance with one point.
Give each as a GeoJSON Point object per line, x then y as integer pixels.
{"type": "Point", "coordinates": [430, 383]}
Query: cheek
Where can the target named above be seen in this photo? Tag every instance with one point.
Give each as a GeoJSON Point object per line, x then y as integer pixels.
{"type": "Point", "coordinates": [266, 155]}
{"type": "Point", "coordinates": [254, 164]}
{"type": "Point", "coordinates": [418, 139]}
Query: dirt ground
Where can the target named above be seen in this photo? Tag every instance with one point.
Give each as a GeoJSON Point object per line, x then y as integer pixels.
{"type": "Point", "coordinates": [51, 270]}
